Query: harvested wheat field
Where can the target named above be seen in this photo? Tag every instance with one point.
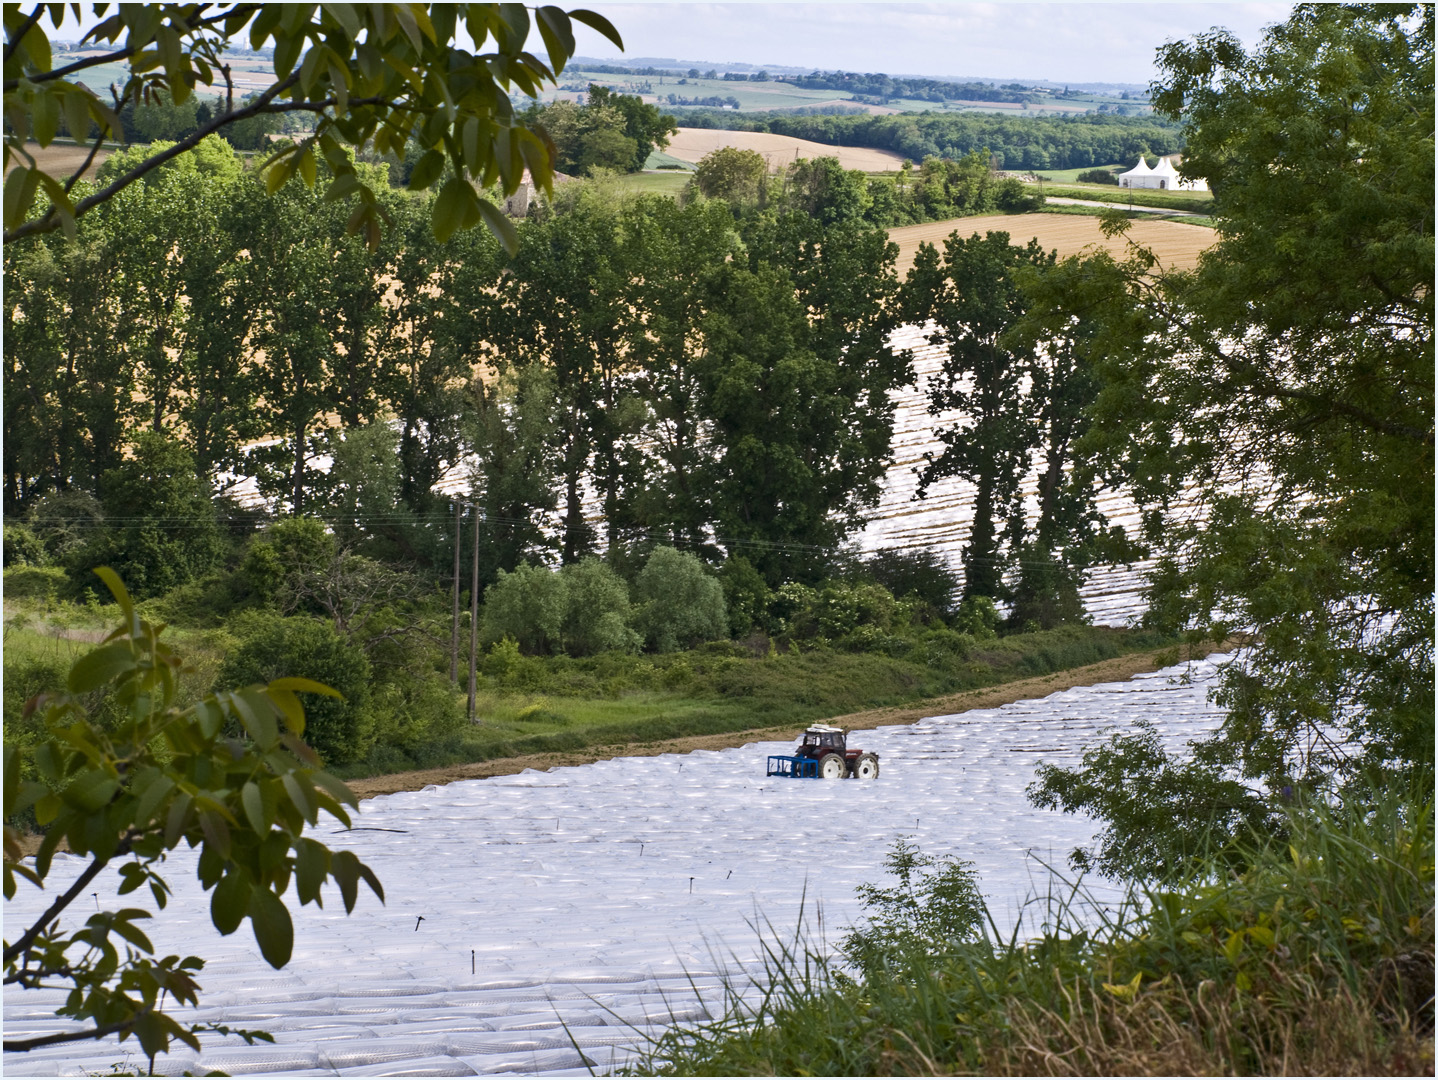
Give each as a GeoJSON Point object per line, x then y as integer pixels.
{"type": "Point", "coordinates": [692, 144]}
{"type": "Point", "coordinates": [60, 160]}
{"type": "Point", "coordinates": [1177, 246]}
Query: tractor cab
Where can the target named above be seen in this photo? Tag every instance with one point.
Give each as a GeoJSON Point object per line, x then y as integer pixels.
{"type": "Point", "coordinates": [822, 738]}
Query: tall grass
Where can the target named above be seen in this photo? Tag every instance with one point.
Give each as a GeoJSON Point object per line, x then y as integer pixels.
{"type": "Point", "coordinates": [1316, 958]}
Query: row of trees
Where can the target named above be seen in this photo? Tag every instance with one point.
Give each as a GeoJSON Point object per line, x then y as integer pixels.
{"type": "Point", "coordinates": [719, 371]}
{"type": "Point", "coordinates": [937, 190]}
{"type": "Point", "coordinates": [1013, 142]}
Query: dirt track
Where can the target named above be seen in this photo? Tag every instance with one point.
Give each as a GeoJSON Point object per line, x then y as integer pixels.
{"type": "Point", "coordinates": [1115, 670]}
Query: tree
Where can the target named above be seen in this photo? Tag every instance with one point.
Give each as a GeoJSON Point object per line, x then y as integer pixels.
{"type": "Point", "coordinates": [680, 603]}
{"type": "Point", "coordinates": [161, 529]}
{"type": "Point", "coordinates": [371, 77]}
{"type": "Point", "coordinates": [645, 124]}
{"type": "Point", "coordinates": [1286, 387]}
{"type": "Point", "coordinates": [731, 173]}
{"type": "Point", "coordinates": [973, 296]}
{"type": "Point", "coordinates": [513, 437]}
{"type": "Point", "coordinates": [163, 776]}
{"type": "Point", "coordinates": [795, 371]}
{"type": "Point", "coordinates": [597, 610]}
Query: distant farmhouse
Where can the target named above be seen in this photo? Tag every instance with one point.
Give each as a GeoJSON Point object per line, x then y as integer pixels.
{"type": "Point", "coordinates": [1163, 175]}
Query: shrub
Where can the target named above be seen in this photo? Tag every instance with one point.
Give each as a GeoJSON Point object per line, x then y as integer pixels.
{"type": "Point", "coordinates": [1098, 176]}
{"type": "Point", "coordinates": [838, 610]}
{"type": "Point", "coordinates": [529, 605]}
{"type": "Point", "coordinates": [64, 520]}
{"type": "Point", "coordinates": [415, 710]}
{"type": "Point", "coordinates": [746, 596]}
{"type": "Point", "coordinates": [166, 532]}
{"type": "Point", "coordinates": [23, 547]}
{"type": "Point", "coordinates": [272, 648]}
{"type": "Point", "coordinates": [597, 610]}
{"type": "Point", "coordinates": [935, 905]}
{"type": "Point", "coordinates": [977, 617]}
{"type": "Point", "coordinates": [1013, 197]}
{"type": "Point", "coordinates": [680, 604]}
{"type": "Point", "coordinates": [292, 545]}
{"type": "Point", "coordinates": [921, 574]}
{"type": "Point", "coordinates": [44, 583]}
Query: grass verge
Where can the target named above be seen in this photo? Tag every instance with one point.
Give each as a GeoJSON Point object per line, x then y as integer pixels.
{"type": "Point", "coordinates": [554, 705]}
{"type": "Point", "coordinates": [1315, 959]}
{"type": "Point", "coordinates": [1200, 202]}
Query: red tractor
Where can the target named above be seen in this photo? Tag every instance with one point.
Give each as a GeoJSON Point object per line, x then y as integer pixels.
{"type": "Point", "coordinates": [822, 753]}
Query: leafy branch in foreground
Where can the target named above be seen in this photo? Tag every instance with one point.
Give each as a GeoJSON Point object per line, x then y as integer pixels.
{"type": "Point", "coordinates": [128, 794]}
{"type": "Point", "coordinates": [372, 77]}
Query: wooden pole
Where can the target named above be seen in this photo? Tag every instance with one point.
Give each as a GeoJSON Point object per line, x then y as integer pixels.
{"type": "Point", "coordinates": [454, 623]}
{"type": "Point", "coordinates": [474, 613]}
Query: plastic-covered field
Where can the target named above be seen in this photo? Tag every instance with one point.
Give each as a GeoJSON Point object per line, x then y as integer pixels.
{"type": "Point", "coordinates": [529, 915]}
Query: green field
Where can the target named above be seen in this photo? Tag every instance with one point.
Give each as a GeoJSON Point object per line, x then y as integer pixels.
{"type": "Point", "coordinates": [660, 183]}
{"type": "Point", "coordinates": [752, 97]}
{"type": "Point", "coordinates": [1197, 201]}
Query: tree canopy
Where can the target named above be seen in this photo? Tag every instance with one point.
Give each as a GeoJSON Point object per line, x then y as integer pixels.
{"type": "Point", "coordinates": [1284, 390]}
{"type": "Point", "coordinates": [370, 77]}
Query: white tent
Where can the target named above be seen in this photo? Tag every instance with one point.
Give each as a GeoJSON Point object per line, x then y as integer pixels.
{"type": "Point", "coordinates": [1162, 176]}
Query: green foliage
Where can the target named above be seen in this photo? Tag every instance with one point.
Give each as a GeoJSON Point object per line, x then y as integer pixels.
{"type": "Point", "coordinates": [513, 434]}
{"type": "Point", "coordinates": [1183, 810]}
{"type": "Point", "coordinates": [920, 574]}
{"type": "Point", "coordinates": [597, 613]}
{"type": "Point", "coordinates": [416, 81]}
{"type": "Point", "coordinates": [162, 777]}
{"type": "Point", "coordinates": [528, 604]}
{"type": "Point", "coordinates": [911, 925]}
{"type": "Point", "coordinates": [287, 548]}
{"type": "Point", "coordinates": [679, 603]}
{"type": "Point", "coordinates": [644, 125]}
{"type": "Point", "coordinates": [23, 547]}
{"type": "Point", "coordinates": [341, 729]}
{"type": "Point", "coordinates": [1098, 176]}
{"type": "Point", "coordinates": [1007, 141]}
{"type": "Point", "coordinates": [1284, 388]}
{"type": "Point", "coordinates": [746, 595]}
{"type": "Point", "coordinates": [978, 617]}
{"type": "Point", "coordinates": [731, 173]}
{"type": "Point", "coordinates": [163, 531]}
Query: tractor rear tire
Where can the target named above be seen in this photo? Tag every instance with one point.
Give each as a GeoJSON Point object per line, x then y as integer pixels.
{"type": "Point", "coordinates": [832, 767]}
{"type": "Point", "coordinates": [866, 767]}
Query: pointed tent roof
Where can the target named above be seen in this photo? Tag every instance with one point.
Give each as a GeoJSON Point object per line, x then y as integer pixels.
{"type": "Point", "coordinates": [1141, 169]}
{"type": "Point", "coordinates": [1164, 168]}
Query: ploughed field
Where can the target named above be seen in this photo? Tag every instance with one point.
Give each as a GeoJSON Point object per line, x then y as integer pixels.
{"type": "Point", "coordinates": [536, 918]}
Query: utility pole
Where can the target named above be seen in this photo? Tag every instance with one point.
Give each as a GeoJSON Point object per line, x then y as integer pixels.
{"type": "Point", "coordinates": [474, 613]}
{"type": "Point", "coordinates": [454, 623]}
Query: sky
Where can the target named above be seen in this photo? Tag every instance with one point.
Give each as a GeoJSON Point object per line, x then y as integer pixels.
{"type": "Point", "coordinates": [1075, 42]}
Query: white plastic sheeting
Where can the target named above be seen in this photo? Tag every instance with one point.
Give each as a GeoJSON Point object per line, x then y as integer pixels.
{"type": "Point", "coordinates": [598, 903]}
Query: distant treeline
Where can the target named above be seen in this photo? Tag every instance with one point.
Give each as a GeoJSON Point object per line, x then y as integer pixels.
{"type": "Point", "coordinates": [886, 87]}
{"type": "Point", "coordinates": [1015, 142]}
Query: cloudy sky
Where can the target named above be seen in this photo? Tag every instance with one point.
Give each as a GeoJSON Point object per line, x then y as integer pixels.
{"type": "Point", "coordinates": [1077, 42]}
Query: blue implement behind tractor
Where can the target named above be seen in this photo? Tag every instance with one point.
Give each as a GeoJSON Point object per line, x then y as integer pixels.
{"type": "Point", "coordinates": [822, 753]}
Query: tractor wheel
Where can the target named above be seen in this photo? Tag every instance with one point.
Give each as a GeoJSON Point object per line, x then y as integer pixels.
{"type": "Point", "coordinates": [832, 767]}
{"type": "Point", "coordinates": [866, 767]}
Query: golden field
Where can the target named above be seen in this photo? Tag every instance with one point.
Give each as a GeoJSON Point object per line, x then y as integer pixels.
{"type": "Point", "coordinates": [692, 144]}
{"type": "Point", "coordinates": [1176, 245]}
